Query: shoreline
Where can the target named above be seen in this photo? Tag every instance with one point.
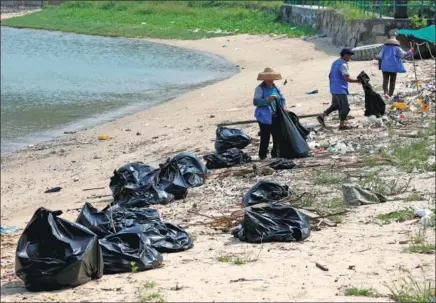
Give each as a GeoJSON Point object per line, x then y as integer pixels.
{"type": "Point", "coordinates": [5, 16]}
{"type": "Point", "coordinates": [59, 133]}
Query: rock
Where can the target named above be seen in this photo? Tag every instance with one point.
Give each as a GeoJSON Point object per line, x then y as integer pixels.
{"type": "Point", "coordinates": [212, 116]}
{"type": "Point", "coordinates": [76, 179]}
{"type": "Point", "coordinates": [138, 133]}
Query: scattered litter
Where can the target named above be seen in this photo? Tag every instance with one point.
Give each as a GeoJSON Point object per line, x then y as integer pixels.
{"type": "Point", "coordinates": [321, 266]}
{"type": "Point", "coordinates": [355, 195]}
{"type": "Point", "coordinates": [312, 92]}
{"type": "Point", "coordinates": [54, 253]}
{"type": "Point", "coordinates": [279, 164]}
{"type": "Point", "coordinates": [265, 191]}
{"type": "Point", "coordinates": [427, 217]}
{"type": "Point", "coordinates": [230, 138]}
{"type": "Point", "coordinates": [272, 223]}
{"type": "Point", "coordinates": [228, 158]}
{"type": "Point", "coordinates": [8, 230]}
{"type": "Point", "coordinates": [103, 138]}
{"type": "Point", "coordinates": [53, 190]}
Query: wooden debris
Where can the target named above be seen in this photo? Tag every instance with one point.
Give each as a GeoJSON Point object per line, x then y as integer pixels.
{"type": "Point", "coordinates": [322, 267]}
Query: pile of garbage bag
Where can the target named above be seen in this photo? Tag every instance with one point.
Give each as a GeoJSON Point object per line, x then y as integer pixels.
{"type": "Point", "coordinates": [139, 185]}
{"type": "Point", "coordinates": [227, 138]}
{"type": "Point", "coordinates": [54, 253]}
{"type": "Point", "coordinates": [265, 191]}
{"type": "Point", "coordinates": [228, 158]}
{"type": "Point", "coordinates": [272, 223]}
{"type": "Point", "coordinates": [279, 164]}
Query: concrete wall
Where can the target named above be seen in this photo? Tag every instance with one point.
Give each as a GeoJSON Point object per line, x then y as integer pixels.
{"type": "Point", "coordinates": [13, 6]}
{"type": "Point", "coordinates": [344, 34]}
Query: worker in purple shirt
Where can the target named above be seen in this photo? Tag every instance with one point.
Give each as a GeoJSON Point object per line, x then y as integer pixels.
{"type": "Point", "coordinates": [339, 78]}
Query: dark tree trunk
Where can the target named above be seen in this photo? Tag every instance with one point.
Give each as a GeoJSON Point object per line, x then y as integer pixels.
{"type": "Point", "coordinates": [401, 9]}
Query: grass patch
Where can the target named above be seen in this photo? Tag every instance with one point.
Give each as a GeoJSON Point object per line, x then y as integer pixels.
{"type": "Point", "coordinates": [350, 12]}
{"type": "Point", "coordinates": [419, 245]}
{"type": "Point", "coordinates": [377, 184]}
{"type": "Point", "coordinates": [410, 290]}
{"type": "Point", "coordinates": [321, 177]}
{"type": "Point", "coordinates": [337, 219]}
{"type": "Point", "coordinates": [307, 200]}
{"type": "Point", "coordinates": [362, 292]}
{"type": "Point", "coordinates": [162, 19]}
{"type": "Point", "coordinates": [235, 260]}
{"type": "Point", "coordinates": [414, 197]}
{"type": "Point", "coordinates": [146, 295]}
{"type": "Point", "coordinates": [397, 216]}
{"type": "Point", "coordinates": [410, 155]}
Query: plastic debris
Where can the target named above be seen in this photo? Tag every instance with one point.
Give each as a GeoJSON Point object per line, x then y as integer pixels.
{"type": "Point", "coordinates": [53, 190]}
{"type": "Point", "coordinates": [8, 230]}
{"type": "Point", "coordinates": [427, 217]}
{"type": "Point", "coordinates": [356, 195]}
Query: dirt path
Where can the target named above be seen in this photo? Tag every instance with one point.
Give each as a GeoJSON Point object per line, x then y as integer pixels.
{"type": "Point", "coordinates": [357, 252]}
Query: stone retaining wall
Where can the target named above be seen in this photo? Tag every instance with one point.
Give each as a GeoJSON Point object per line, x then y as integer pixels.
{"type": "Point", "coordinates": [15, 6]}
{"type": "Point", "coordinates": [343, 34]}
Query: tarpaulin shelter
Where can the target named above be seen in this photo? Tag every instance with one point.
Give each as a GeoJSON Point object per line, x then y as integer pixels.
{"type": "Point", "coordinates": [426, 33]}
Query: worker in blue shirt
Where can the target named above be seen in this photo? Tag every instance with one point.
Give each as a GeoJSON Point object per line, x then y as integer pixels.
{"type": "Point", "coordinates": [339, 78]}
{"type": "Point", "coordinates": [265, 97]}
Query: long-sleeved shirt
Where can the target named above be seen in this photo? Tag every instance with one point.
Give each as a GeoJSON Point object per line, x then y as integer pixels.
{"type": "Point", "coordinates": [264, 110]}
{"type": "Point", "coordinates": [390, 57]}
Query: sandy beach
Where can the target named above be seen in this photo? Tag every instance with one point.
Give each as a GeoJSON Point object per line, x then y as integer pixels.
{"type": "Point", "coordinates": [287, 271]}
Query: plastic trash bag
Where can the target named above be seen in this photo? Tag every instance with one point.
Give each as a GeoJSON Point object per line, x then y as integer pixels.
{"type": "Point", "coordinates": [127, 252]}
{"type": "Point", "coordinates": [265, 191]}
{"type": "Point", "coordinates": [227, 138]}
{"type": "Point", "coordinates": [171, 180]}
{"type": "Point", "coordinates": [227, 158]}
{"type": "Point", "coordinates": [291, 144]}
{"type": "Point", "coordinates": [193, 171]}
{"type": "Point", "coordinates": [374, 104]}
{"type": "Point", "coordinates": [272, 223]}
{"type": "Point", "coordinates": [135, 185]}
{"type": "Point", "coordinates": [163, 236]}
{"type": "Point", "coordinates": [53, 253]}
{"type": "Point", "coordinates": [279, 164]}
{"type": "Point", "coordinates": [356, 195]}
{"type": "Point", "coordinates": [304, 132]}
{"type": "Point", "coordinates": [95, 220]}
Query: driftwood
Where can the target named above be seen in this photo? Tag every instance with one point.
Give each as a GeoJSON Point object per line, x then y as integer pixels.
{"type": "Point", "coordinates": [95, 188]}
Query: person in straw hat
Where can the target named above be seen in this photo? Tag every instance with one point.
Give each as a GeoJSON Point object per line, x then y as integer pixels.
{"type": "Point", "coordinates": [266, 96]}
{"type": "Point", "coordinates": [339, 78]}
{"type": "Point", "coordinates": [391, 64]}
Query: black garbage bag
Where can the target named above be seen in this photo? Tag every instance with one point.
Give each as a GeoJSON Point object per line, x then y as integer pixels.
{"type": "Point", "coordinates": [54, 253]}
{"type": "Point", "coordinates": [291, 144]}
{"type": "Point", "coordinates": [165, 237]}
{"type": "Point", "coordinates": [374, 104]}
{"type": "Point", "coordinates": [171, 179]}
{"type": "Point", "coordinates": [227, 158]}
{"type": "Point", "coordinates": [272, 223]}
{"type": "Point", "coordinates": [279, 164]}
{"type": "Point", "coordinates": [127, 252]}
{"type": "Point", "coordinates": [193, 171]}
{"type": "Point", "coordinates": [304, 132]}
{"type": "Point", "coordinates": [128, 217]}
{"type": "Point", "coordinates": [265, 191]}
{"type": "Point", "coordinates": [136, 185]}
{"type": "Point", "coordinates": [95, 220]}
{"type": "Point", "coordinates": [227, 138]}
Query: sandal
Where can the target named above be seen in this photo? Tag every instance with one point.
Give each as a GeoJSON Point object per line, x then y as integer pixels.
{"type": "Point", "coordinates": [345, 127]}
{"type": "Point", "coordinates": [320, 119]}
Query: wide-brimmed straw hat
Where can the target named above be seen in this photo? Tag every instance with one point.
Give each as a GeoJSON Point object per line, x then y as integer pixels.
{"type": "Point", "coordinates": [269, 74]}
{"type": "Point", "coordinates": [392, 41]}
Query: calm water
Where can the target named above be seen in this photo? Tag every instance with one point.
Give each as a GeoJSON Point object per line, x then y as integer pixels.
{"type": "Point", "coordinates": [54, 82]}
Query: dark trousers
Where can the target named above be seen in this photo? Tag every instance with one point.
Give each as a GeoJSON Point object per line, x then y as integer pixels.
{"type": "Point", "coordinates": [389, 78]}
{"type": "Point", "coordinates": [340, 103]}
{"type": "Point", "coordinates": [266, 130]}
